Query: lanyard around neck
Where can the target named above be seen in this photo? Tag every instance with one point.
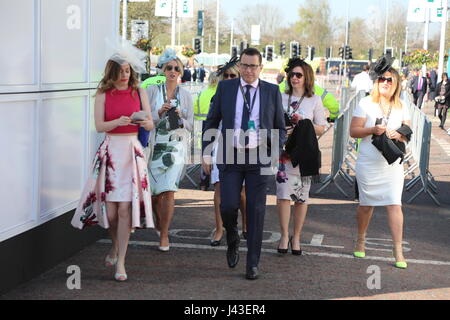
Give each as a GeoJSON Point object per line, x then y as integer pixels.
{"type": "Point", "coordinates": [246, 103]}
{"type": "Point", "coordinates": [177, 92]}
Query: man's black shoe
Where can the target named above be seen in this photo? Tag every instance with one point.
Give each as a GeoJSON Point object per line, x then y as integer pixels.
{"type": "Point", "coordinates": [252, 273]}
{"type": "Point", "coordinates": [233, 255]}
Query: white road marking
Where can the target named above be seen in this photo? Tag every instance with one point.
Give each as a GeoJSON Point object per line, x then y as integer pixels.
{"type": "Point", "coordinates": [243, 249]}
{"type": "Point", "coordinates": [444, 144]}
{"type": "Point", "coordinates": [317, 240]}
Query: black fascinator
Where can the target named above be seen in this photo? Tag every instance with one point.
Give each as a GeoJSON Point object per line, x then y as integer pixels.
{"type": "Point", "coordinates": [380, 66]}
{"type": "Point", "coordinates": [294, 62]}
{"type": "Point", "coordinates": [233, 61]}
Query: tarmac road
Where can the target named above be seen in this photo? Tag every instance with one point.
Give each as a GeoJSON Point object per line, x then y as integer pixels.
{"type": "Point", "coordinates": [326, 270]}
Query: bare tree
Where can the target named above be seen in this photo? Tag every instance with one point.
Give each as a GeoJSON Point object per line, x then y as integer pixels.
{"type": "Point", "coordinates": [269, 17]}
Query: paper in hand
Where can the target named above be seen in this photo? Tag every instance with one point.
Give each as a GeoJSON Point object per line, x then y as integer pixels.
{"type": "Point", "coordinates": [139, 116]}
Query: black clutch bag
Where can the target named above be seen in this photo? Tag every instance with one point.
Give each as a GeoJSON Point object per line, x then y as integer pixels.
{"type": "Point", "coordinates": [174, 119]}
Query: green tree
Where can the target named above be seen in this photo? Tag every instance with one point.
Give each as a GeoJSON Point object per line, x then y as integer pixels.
{"type": "Point", "coordinates": [314, 25]}
{"type": "Point", "coordinates": [145, 11]}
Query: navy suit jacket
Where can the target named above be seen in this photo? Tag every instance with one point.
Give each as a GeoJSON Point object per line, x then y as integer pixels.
{"type": "Point", "coordinates": [415, 83]}
{"type": "Point", "coordinates": [223, 108]}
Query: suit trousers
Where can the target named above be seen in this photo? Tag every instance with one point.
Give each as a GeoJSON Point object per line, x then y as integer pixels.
{"type": "Point", "coordinates": [418, 98]}
{"type": "Point", "coordinates": [231, 179]}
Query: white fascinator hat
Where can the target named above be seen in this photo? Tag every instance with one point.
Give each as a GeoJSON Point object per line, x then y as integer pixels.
{"type": "Point", "coordinates": [125, 52]}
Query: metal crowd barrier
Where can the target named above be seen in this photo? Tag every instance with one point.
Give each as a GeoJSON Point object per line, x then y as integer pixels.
{"type": "Point", "coordinates": [419, 148]}
{"type": "Point", "coordinates": [194, 164]}
{"type": "Point", "coordinates": [343, 145]}
{"type": "Point", "coordinates": [418, 156]}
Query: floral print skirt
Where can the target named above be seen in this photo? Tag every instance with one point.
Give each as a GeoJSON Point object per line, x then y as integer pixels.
{"type": "Point", "coordinates": [291, 186]}
{"type": "Point", "coordinates": [119, 174]}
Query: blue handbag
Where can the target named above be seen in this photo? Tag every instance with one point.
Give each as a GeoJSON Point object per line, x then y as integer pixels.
{"type": "Point", "coordinates": [143, 135]}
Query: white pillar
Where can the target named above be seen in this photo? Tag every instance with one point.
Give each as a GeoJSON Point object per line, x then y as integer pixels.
{"type": "Point", "coordinates": [406, 39]}
{"type": "Point", "coordinates": [124, 19]}
{"type": "Point", "coordinates": [386, 25]}
{"type": "Point", "coordinates": [347, 23]}
{"type": "Point", "coordinates": [174, 16]}
{"type": "Point", "coordinates": [232, 34]}
{"type": "Point", "coordinates": [442, 45]}
{"type": "Point", "coordinates": [217, 29]}
{"type": "Point", "coordinates": [426, 32]}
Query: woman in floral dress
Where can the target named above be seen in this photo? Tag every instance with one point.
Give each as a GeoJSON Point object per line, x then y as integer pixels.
{"type": "Point", "coordinates": [171, 143]}
{"type": "Point", "coordinates": [117, 194]}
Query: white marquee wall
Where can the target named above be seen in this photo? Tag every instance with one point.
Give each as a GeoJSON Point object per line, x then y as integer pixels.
{"type": "Point", "coordinates": [52, 56]}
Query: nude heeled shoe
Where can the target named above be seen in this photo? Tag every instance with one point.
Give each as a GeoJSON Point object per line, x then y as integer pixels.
{"type": "Point", "coordinates": [110, 262]}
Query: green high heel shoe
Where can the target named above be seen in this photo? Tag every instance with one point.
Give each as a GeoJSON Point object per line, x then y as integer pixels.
{"type": "Point", "coordinates": [399, 264]}
{"type": "Point", "coordinates": [361, 239]}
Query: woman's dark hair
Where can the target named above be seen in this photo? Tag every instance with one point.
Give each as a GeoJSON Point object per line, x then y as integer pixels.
{"type": "Point", "coordinates": [444, 74]}
{"type": "Point", "coordinates": [308, 74]}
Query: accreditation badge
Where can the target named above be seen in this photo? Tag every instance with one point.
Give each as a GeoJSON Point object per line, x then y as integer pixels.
{"type": "Point", "coordinates": [251, 125]}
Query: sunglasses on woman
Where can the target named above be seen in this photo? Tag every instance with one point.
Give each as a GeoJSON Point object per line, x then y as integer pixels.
{"type": "Point", "coordinates": [170, 68]}
{"type": "Point", "coordinates": [383, 79]}
{"type": "Point", "coordinates": [229, 75]}
{"type": "Point", "coordinates": [296, 74]}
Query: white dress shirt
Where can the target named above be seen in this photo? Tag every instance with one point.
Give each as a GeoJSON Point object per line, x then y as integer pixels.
{"type": "Point", "coordinates": [253, 136]}
{"type": "Point", "coordinates": [362, 81]}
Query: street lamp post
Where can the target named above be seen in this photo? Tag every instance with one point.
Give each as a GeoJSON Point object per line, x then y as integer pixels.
{"type": "Point", "coordinates": [442, 45]}
{"type": "Point", "coordinates": [124, 19]}
{"type": "Point", "coordinates": [217, 30]}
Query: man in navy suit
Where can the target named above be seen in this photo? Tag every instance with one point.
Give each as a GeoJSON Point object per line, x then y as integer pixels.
{"type": "Point", "coordinates": [253, 106]}
{"type": "Point", "coordinates": [419, 89]}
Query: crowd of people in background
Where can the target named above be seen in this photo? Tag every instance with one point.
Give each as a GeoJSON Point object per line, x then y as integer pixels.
{"type": "Point", "coordinates": [133, 186]}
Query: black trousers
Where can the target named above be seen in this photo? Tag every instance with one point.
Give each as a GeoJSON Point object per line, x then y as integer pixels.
{"type": "Point", "coordinates": [443, 114]}
{"type": "Point", "coordinates": [231, 179]}
{"type": "Point", "coordinates": [418, 98]}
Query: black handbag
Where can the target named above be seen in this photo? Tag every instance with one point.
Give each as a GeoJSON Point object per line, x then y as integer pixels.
{"type": "Point", "coordinates": [175, 121]}
{"type": "Point", "coordinates": [143, 134]}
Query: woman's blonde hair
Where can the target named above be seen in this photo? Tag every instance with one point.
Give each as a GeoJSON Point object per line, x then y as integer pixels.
{"type": "Point", "coordinates": [234, 69]}
{"type": "Point", "coordinates": [112, 74]}
{"type": "Point", "coordinates": [178, 61]}
{"type": "Point", "coordinates": [213, 80]}
{"type": "Point", "coordinates": [396, 89]}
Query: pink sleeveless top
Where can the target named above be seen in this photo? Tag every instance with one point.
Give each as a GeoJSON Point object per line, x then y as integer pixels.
{"type": "Point", "coordinates": [121, 103]}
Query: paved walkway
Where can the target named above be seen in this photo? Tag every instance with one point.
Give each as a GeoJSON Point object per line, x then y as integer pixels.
{"type": "Point", "coordinates": [194, 270]}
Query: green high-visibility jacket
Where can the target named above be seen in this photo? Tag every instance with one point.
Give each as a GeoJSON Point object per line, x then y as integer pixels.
{"type": "Point", "coordinates": [328, 100]}
{"type": "Point", "coordinates": [202, 103]}
{"type": "Point", "coordinates": [153, 81]}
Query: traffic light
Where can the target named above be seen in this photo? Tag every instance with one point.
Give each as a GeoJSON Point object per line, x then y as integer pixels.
{"type": "Point", "coordinates": [389, 52]}
{"type": "Point", "coordinates": [348, 53]}
{"type": "Point", "coordinates": [341, 53]}
{"type": "Point", "coordinates": [234, 51]}
{"type": "Point", "coordinates": [328, 53]}
{"type": "Point", "coordinates": [282, 49]}
{"type": "Point", "coordinates": [313, 52]}
{"type": "Point", "coordinates": [197, 45]}
{"type": "Point", "coordinates": [269, 53]}
{"type": "Point", "coordinates": [243, 46]}
{"type": "Point", "coordinates": [294, 49]}
{"type": "Point", "coordinates": [370, 54]}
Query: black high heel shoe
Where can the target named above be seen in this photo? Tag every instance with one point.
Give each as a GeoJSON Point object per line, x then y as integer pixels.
{"type": "Point", "coordinates": [283, 251]}
{"type": "Point", "coordinates": [295, 252]}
